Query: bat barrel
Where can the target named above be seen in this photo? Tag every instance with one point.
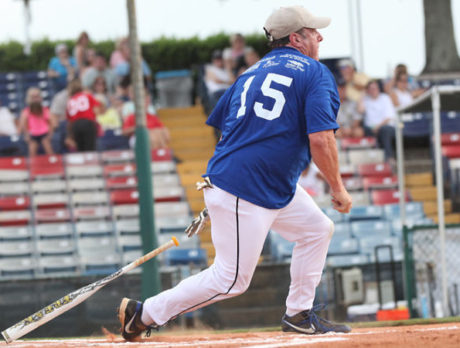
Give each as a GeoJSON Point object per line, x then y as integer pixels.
{"type": "Point", "coordinates": [71, 300]}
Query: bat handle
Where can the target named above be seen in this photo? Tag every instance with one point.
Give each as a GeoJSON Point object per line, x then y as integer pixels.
{"type": "Point", "coordinates": [152, 254]}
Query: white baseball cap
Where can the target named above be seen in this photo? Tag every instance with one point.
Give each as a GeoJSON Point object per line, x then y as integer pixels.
{"type": "Point", "coordinates": [288, 20]}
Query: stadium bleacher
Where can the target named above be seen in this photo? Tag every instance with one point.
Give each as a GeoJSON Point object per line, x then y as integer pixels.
{"type": "Point", "coordinates": [77, 214]}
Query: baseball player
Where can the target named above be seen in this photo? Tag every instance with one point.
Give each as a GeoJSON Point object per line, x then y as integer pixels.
{"type": "Point", "coordinates": [274, 119]}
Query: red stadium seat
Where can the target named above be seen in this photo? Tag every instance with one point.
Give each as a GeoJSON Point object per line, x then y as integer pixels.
{"type": "Point", "coordinates": [52, 215]}
{"type": "Point", "coordinates": [379, 169]}
{"type": "Point", "coordinates": [380, 182]}
{"type": "Point", "coordinates": [347, 171]}
{"type": "Point", "coordinates": [13, 163]}
{"type": "Point", "coordinates": [161, 155]}
{"type": "Point", "coordinates": [91, 213]}
{"type": "Point", "coordinates": [117, 156]}
{"type": "Point", "coordinates": [357, 143]}
{"type": "Point", "coordinates": [82, 158]}
{"type": "Point", "coordinates": [451, 151]}
{"type": "Point", "coordinates": [381, 197]}
{"type": "Point", "coordinates": [46, 166]}
{"type": "Point", "coordinates": [13, 218]}
{"type": "Point", "coordinates": [124, 196]}
{"type": "Point", "coordinates": [14, 203]}
{"type": "Point", "coordinates": [119, 169]}
{"type": "Point", "coordinates": [121, 182]}
{"type": "Point", "coordinates": [450, 139]}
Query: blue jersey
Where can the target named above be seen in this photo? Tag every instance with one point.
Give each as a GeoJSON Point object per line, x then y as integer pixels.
{"type": "Point", "coordinates": [265, 118]}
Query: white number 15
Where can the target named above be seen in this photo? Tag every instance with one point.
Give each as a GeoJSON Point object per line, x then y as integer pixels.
{"type": "Point", "coordinates": [267, 91]}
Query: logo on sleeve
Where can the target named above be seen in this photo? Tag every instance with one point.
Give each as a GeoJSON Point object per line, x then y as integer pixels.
{"type": "Point", "coordinates": [292, 64]}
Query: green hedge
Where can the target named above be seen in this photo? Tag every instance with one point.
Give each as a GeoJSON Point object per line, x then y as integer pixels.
{"type": "Point", "coordinates": [160, 54]}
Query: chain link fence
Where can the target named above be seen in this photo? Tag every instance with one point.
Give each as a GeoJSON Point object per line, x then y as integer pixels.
{"type": "Point", "coordinates": [423, 270]}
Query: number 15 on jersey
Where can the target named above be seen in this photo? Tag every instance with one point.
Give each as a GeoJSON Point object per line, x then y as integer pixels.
{"type": "Point", "coordinates": [267, 91]}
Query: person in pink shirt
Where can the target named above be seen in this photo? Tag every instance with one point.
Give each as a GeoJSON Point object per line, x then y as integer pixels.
{"type": "Point", "coordinates": [36, 123]}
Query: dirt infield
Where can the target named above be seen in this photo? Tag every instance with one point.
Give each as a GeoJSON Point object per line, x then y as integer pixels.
{"type": "Point", "coordinates": [442, 335]}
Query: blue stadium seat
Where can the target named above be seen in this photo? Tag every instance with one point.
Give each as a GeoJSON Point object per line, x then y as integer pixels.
{"type": "Point", "coordinates": [368, 244]}
{"type": "Point", "coordinates": [112, 140]}
{"type": "Point", "coordinates": [281, 249]}
{"type": "Point", "coordinates": [186, 256]}
{"type": "Point", "coordinates": [450, 122]}
{"type": "Point", "coordinates": [12, 146]}
{"type": "Point", "coordinates": [417, 124]}
{"type": "Point", "coordinates": [342, 229]}
{"type": "Point", "coordinates": [413, 210]}
{"type": "Point", "coordinates": [334, 215]}
{"type": "Point", "coordinates": [343, 245]}
{"type": "Point", "coordinates": [8, 77]}
{"type": "Point", "coordinates": [17, 267]}
{"type": "Point", "coordinates": [15, 233]}
{"type": "Point", "coordinates": [379, 228]}
{"type": "Point", "coordinates": [368, 212]}
{"type": "Point", "coordinates": [34, 76]}
{"type": "Point", "coordinates": [58, 265]}
{"type": "Point", "coordinates": [347, 260]}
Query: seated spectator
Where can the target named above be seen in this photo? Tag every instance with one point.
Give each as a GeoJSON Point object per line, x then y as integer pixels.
{"type": "Point", "coordinates": [80, 51]}
{"type": "Point", "coordinates": [158, 133]}
{"type": "Point", "coordinates": [99, 68]}
{"type": "Point", "coordinates": [234, 55]}
{"type": "Point", "coordinates": [348, 116]}
{"type": "Point", "coordinates": [390, 84]}
{"type": "Point", "coordinates": [89, 61]}
{"type": "Point", "coordinates": [121, 53]}
{"type": "Point", "coordinates": [82, 129]}
{"type": "Point", "coordinates": [36, 123]}
{"type": "Point", "coordinates": [128, 107]}
{"type": "Point", "coordinates": [107, 117]}
{"type": "Point", "coordinates": [122, 60]}
{"type": "Point", "coordinates": [7, 122]}
{"type": "Point", "coordinates": [217, 78]}
{"type": "Point", "coordinates": [251, 57]}
{"type": "Point", "coordinates": [58, 111]}
{"type": "Point", "coordinates": [355, 82]}
{"type": "Point", "coordinates": [379, 118]}
{"type": "Point", "coordinates": [62, 68]}
{"type": "Point", "coordinates": [402, 94]}
{"type": "Point", "coordinates": [312, 181]}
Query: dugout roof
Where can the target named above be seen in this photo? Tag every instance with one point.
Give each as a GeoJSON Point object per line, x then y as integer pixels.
{"type": "Point", "coordinates": [450, 100]}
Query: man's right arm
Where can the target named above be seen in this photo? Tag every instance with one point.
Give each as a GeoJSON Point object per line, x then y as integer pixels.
{"type": "Point", "coordinates": [324, 152]}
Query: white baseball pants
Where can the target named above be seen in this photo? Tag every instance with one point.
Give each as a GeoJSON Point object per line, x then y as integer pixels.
{"type": "Point", "coordinates": [238, 230]}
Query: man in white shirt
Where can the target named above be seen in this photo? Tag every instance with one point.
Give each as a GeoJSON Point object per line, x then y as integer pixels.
{"type": "Point", "coordinates": [379, 118]}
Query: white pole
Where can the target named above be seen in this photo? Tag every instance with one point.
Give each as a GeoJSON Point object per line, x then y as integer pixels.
{"type": "Point", "coordinates": [351, 19]}
{"type": "Point", "coordinates": [436, 101]}
{"type": "Point", "coordinates": [360, 37]}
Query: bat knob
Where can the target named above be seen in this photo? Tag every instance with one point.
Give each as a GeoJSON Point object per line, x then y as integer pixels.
{"type": "Point", "coordinates": [174, 239]}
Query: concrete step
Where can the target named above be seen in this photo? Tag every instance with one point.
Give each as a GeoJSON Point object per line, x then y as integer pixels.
{"type": "Point", "coordinates": [192, 166]}
{"type": "Point", "coordinates": [170, 113]}
{"type": "Point", "coordinates": [453, 218]}
{"type": "Point", "coordinates": [423, 193]}
{"type": "Point", "coordinates": [419, 179]}
{"type": "Point", "coordinates": [191, 132]}
{"type": "Point", "coordinates": [194, 154]}
{"type": "Point", "coordinates": [431, 207]}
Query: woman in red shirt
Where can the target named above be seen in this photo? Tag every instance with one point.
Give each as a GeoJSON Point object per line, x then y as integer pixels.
{"type": "Point", "coordinates": [81, 117]}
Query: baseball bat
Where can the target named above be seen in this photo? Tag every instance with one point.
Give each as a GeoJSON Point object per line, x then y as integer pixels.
{"type": "Point", "coordinates": [74, 298]}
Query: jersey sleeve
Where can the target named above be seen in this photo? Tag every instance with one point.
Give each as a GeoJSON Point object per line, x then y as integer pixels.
{"type": "Point", "coordinates": [217, 117]}
{"type": "Point", "coordinates": [322, 102]}
{"type": "Point", "coordinates": [129, 122]}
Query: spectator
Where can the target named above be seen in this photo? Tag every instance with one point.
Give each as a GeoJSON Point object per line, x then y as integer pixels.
{"type": "Point", "coordinates": [121, 53]}
{"type": "Point", "coordinates": [121, 59]}
{"type": "Point", "coordinates": [107, 117]}
{"type": "Point", "coordinates": [82, 129]}
{"type": "Point", "coordinates": [379, 118]}
{"type": "Point", "coordinates": [99, 68]}
{"type": "Point", "coordinates": [390, 84]}
{"type": "Point", "coordinates": [128, 107]}
{"type": "Point", "coordinates": [158, 133]}
{"type": "Point", "coordinates": [61, 68]}
{"type": "Point", "coordinates": [312, 181]}
{"type": "Point", "coordinates": [7, 122]}
{"type": "Point", "coordinates": [217, 78]}
{"type": "Point", "coordinates": [36, 123]}
{"type": "Point", "coordinates": [58, 111]}
{"type": "Point", "coordinates": [234, 55]}
{"type": "Point", "coordinates": [250, 58]}
{"type": "Point", "coordinates": [348, 116]}
{"type": "Point", "coordinates": [80, 51]}
{"type": "Point", "coordinates": [90, 56]}
{"type": "Point", "coordinates": [355, 82]}
{"type": "Point", "coordinates": [402, 94]}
